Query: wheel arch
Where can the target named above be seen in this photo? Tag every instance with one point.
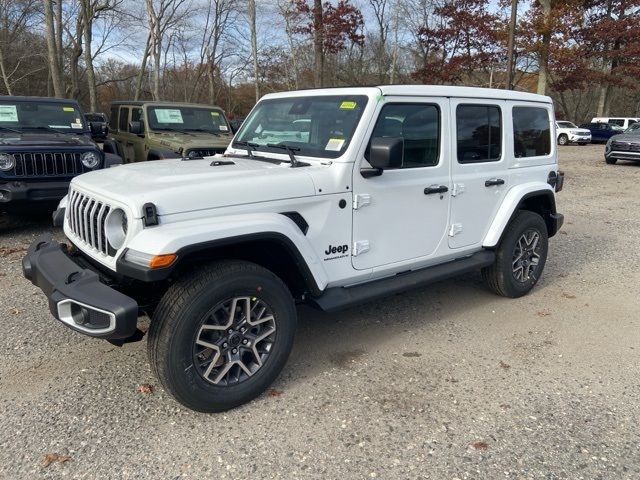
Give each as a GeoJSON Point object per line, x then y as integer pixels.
{"type": "Point", "coordinates": [161, 154]}
{"type": "Point", "coordinates": [539, 199]}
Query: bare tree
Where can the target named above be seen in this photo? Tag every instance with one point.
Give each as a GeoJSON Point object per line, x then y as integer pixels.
{"type": "Point", "coordinates": [381, 59]}
{"type": "Point", "coordinates": [543, 56]}
{"type": "Point", "coordinates": [54, 46]}
{"type": "Point", "coordinates": [318, 43]}
{"type": "Point", "coordinates": [251, 10]}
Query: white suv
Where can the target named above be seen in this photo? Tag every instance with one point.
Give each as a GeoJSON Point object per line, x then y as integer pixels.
{"type": "Point", "coordinates": [567, 132]}
{"type": "Point", "coordinates": [388, 189]}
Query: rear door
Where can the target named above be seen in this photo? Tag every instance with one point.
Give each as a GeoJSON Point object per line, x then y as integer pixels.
{"type": "Point", "coordinates": [479, 168]}
{"type": "Point", "coordinates": [125, 138]}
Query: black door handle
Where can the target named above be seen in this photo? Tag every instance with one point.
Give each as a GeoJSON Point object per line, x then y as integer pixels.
{"type": "Point", "coordinates": [493, 182]}
{"type": "Point", "coordinates": [436, 189]}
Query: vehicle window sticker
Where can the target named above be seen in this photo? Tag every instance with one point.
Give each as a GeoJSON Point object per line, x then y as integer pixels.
{"type": "Point", "coordinates": [334, 144]}
{"type": "Point", "coordinates": [168, 115]}
{"type": "Point", "coordinates": [8, 113]}
{"type": "Point", "coordinates": [68, 109]}
{"type": "Point", "coordinates": [348, 105]}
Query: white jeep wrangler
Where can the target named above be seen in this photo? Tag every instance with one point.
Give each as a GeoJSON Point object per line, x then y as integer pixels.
{"type": "Point", "coordinates": [383, 190]}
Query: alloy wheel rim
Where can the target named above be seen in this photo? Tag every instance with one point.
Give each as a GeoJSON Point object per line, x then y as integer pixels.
{"type": "Point", "coordinates": [526, 256]}
{"type": "Point", "coordinates": [234, 341]}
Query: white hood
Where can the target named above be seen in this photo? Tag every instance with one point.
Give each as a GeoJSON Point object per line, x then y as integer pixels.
{"type": "Point", "coordinates": [177, 186]}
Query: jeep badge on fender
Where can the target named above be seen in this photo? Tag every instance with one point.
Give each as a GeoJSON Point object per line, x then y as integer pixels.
{"type": "Point", "coordinates": [441, 180]}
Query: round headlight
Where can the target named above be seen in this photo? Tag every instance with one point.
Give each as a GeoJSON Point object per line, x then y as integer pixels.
{"type": "Point", "coordinates": [90, 159]}
{"type": "Point", "coordinates": [7, 162]}
{"type": "Point", "coordinates": [116, 228]}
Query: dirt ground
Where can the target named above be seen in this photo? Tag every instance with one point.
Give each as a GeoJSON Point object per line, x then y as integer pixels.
{"type": "Point", "coordinates": [447, 382]}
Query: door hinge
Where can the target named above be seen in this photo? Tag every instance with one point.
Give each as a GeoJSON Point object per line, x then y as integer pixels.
{"type": "Point", "coordinates": [457, 189]}
{"type": "Point", "coordinates": [359, 247]}
{"type": "Point", "coordinates": [361, 200]}
{"type": "Point", "coordinates": [455, 229]}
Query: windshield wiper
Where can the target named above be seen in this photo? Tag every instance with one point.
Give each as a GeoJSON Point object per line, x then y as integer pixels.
{"type": "Point", "coordinates": [172, 130]}
{"type": "Point", "coordinates": [9, 129]}
{"type": "Point", "coordinates": [290, 150]}
{"type": "Point", "coordinates": [203, 130]}
{"type": "Point", "coordinates": [250, 147]}
{"type": "Point", "coordinates": [47, 129]}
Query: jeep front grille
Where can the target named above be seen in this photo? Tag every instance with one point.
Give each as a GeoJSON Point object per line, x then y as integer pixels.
{"type": "Point", "coordinates": [86, 217]}
{"type": "Point", "coordinates": [59, 164]}
{"type": "Point", "coordinates": [625, 146]}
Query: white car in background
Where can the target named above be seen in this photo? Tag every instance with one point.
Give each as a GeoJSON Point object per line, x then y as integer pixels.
{"type": "Point", "coordinates": [619, 123]}
{"type": "Point", "coordinates": [567, 132]}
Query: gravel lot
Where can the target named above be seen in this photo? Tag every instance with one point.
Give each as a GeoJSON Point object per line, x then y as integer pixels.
{"type": "Point", "coordinates": [449, 382]}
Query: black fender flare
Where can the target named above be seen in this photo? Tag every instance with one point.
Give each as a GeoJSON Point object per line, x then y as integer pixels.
{"type": "Point", "coordinates": [161, 154]}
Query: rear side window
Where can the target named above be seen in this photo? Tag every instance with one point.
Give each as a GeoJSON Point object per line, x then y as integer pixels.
{"type": "Point", "coordinates": [531, 132]}
{"type": "Point", "coordinates": [617, 121]}
{"type": "Point", "coordinates": [113, 118]}
{"type": "Point", "coordinates": [418, 125]}
{"type": "Point", "coordinates": [124, 119]}
{"type": "Point", "coordinates": [136, 114]}
{"type": "Point", "coordinates": [479, 133]}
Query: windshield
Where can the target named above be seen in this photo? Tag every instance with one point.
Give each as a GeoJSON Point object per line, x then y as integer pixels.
{"type": "Point", "coordinates": [566, 125]}
{"type": "Point", "coordinates": [319, 126]}
{"type": "Point", "coordinates": [32, 115]}
{"type": "Point", "coordinates": [194, 119]}
{"type": "Point", "coordinates": [634, 128]}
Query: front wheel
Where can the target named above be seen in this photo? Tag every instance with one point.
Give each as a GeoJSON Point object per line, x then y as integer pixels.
{"type": "Point", "coordinates": [610, 161]}
{"type": "Point", "coordinates": [221, 335]}
{"type": "Point", "coordinates": [520, 257]}
{"type": "Point", "coordinates": [563, 139]}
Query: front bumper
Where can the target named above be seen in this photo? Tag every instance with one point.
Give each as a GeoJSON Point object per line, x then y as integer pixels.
{"type": "Point", "coordinates": [77, 296]}
{"type": "Point", "coordinates": [573, 138]}
{"type": "Point", "coordinates": [623, 155]}
{"type": "Point", "coordinates": [20, 191]}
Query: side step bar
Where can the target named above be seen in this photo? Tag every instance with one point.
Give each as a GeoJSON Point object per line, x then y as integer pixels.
{"type": "Point", "coordinates": [336, 298]}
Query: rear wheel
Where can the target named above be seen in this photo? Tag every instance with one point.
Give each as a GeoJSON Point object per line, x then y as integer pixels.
{"type": "Point", "coordinates": [221, 335]}
{"type": "Point", "coordinates": [563, 139]}
{"type": "Point", "coordinates": [520, 257]}
{"type": "Point", "coordinates": [610, 161]}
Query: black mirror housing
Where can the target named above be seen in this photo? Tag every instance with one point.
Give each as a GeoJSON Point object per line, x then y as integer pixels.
{"type": "Point", "coordinates": [386, 153]}
{"type": "Point", "coordinates": [136, 128]}
{"type": "Point", "coordinates": [95, 128]}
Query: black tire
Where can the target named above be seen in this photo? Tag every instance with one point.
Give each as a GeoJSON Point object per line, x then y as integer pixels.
{"type": "Point", "coordinates": [610, 161]}
{"type": "Point", "coordinates": [563, 139]}
{"type": "Point", "coordinates": [501, 277]}
{"type": "Point", "coordinates": [190, 303]}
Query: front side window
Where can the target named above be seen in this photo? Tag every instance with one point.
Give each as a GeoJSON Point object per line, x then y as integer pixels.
{"type": "Point", "coordinates": [124, 119]}
{"type": "Point", "coordinates": [566, 125]}
{"type": "Point", "coordinates": [418, 125]}
{"type": "Point", "coordinates": [34, 115]}
{"type": "Point", "coordinates": [187, 118]}
{"type": "Point", "coordinates": [319, 126]}
{"type": "Point", "coordinates": [113, 118]}
{"type": "Point", "coordinates": [531, 132]}
{"type": "Point", "coordinates": [617, 121]}
{"type": "Point", "coordinates": [479, 133]}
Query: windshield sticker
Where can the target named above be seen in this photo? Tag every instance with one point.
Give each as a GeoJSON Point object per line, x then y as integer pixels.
{"type": "Point", "coordinates": [68, 109]}
{"type": "Point", "coordinates": [8, 113]}
{"type": "Point", "coordinates": [334, 144]}
{"type": "Point", "coordinates": [76, 125]}
{"type": "Point", "coordinates": [348, 105]}
{"type": "Point", "coordinates": [223, 128]}
{"type": "Point", "coordinates": [57, 126]}
{"type": "Point", "coordinates": [167, 115]}
{"type": "Point", "coordinates": [215, 114]}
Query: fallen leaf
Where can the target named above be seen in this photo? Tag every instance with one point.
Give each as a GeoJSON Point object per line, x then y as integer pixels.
{"type": "Point", "coordinates": [411, 354]}
{"type": "Point", "coordinates": [480, 445]}
{"type": "Point", "coordinates": [563, 232]}
{"type": "Point", "coordinates": [568, 295]}
{"type": "Point", "coordinates": [274, 393]}
{"type": "Point", "coordinates": [505, 406]}
{"type": "Point", "coordinates": [50, 458]}
{"type": "Point", "coordinates": [506, 366]}
{"type": "Point", "coordinates": [145, 388]}
{"type": "Point", "coordinates": [543, 313]}
{"type": "Point", "coordinates": [14, 311]}
{"type": "Point", "coordinates": [563, 275]}
{"type": "Point", "coordinates": [6, 251]}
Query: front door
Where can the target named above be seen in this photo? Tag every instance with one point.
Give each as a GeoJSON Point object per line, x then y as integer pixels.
{"type": "Point", "coordinates": [479, 168]}
{"type": "Point", "coordinates": [402, 214]}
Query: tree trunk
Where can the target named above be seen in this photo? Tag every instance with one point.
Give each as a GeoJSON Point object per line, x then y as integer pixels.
{"type": "Point", "coordinates": [254, 45]}
{"type": "Point", "coordinates": [52, 50]}
{"type": "Point", "coordinates": [3, 71]}
{"type": "Point", "coordinates": [87, 31]}
{"type": "Point", "coordinates": [543, 56]}
{"type": "Point", "coordinates": [396, 44]}
{"type": "Point", "coordinates": [511, 44]}
{"type": "Point", "coordinates": [143, 66]}
{"type": "Point", "coordinates": [318, 44]}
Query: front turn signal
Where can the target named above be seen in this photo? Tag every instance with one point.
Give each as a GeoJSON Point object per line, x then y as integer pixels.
{"type": "Point", "coordinates": [160, 261]}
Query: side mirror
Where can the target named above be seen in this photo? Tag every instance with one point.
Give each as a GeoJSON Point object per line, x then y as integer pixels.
{"type": "Point", "coordinates": [136, 128]}
{"type": "Point", "coordinates": [385, 153]}
{"type": "Point", "coordinates": [95, 128]}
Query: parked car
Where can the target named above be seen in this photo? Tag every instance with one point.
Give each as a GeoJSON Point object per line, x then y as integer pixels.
{"type": "Point", "coordinates": [624, 147]}
{"type": "Point", "coordinates": [236, 123]}
{"type": "Point", "coordinates": [99, 125]}
{"type": "Point", "coordinates": [600, 132]}
{"type": "Point", "coordinates": [567, 132]}
{"type": "Point", "coordinates": [394, 187]}
{"type": "Point", "coordinates": [44, 143]}
{"type": "Point", "coordinates": [618, 123]}
{"type": "Point", "coordinates": [160, 130]}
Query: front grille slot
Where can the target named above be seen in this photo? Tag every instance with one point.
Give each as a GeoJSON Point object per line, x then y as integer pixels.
{"type": "Point", "coordinates": [59, 164]}
{"type": "Point", "coordinates": [87, 219]}
{"type": "Point", "coordinates": [625, 146]}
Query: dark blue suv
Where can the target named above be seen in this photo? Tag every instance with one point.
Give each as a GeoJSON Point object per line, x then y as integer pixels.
{"type": "Point", "coordinates": [600, 132]}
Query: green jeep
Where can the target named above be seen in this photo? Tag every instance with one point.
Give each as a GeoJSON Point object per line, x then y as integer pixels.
{"type": "Point", "coordinates": [146, 130]}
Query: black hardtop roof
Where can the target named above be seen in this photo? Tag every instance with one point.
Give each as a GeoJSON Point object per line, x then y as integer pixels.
{"type": "Point", "coordinates": [6, 98]}
{"type": "Point", "coordinates": [139, 103]}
